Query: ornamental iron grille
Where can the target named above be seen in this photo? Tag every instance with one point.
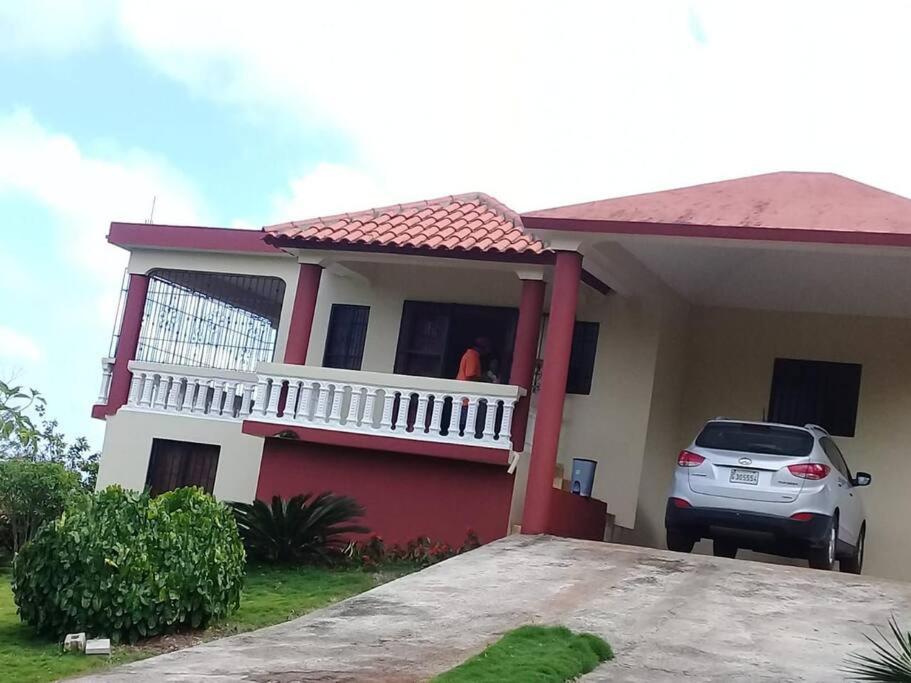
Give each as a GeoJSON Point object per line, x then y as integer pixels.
{"type": "Point", "coordinates": [210, 320]}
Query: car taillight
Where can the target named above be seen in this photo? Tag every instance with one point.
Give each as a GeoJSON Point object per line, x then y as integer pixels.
{"type": "Point", "coordinates": [809, 470]}
{"type": "Point", "coordinates": [802, 516]}
{"type": "Point", "coordinates": [688, 459]}
{"type": "Point", "coordinates": [680, 503]}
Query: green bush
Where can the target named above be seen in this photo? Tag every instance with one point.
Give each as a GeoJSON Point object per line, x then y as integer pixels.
{"type": "Point", "coordinates": [31, 493]}
{"type": "Point", "coordinates": [298, 530]}
{"type": "Point", "coordinates": [418, 552]}
{"type": "Point", "coordinates": [124, 565]}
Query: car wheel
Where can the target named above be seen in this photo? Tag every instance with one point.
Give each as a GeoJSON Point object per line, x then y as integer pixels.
{"type": "Point", "coordinates": [724, 548]}
{"type": "Point", "coordinates": [680, 542]}
{"type": "Point", "coordinates": [855, 563]}
{"type": "Point", "coordinates": [824, 557]}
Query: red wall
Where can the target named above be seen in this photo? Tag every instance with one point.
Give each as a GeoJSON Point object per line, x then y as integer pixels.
{"type": "Point", "coordinates": [576, 517]}
{"type": "Point", "coordinates": [406, 496]}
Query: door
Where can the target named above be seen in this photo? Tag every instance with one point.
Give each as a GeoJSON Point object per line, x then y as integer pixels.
{"type": "Point", "coordinates": [848, 499]}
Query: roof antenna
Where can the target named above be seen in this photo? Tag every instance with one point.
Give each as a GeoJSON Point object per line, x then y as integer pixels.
{"type": "Point", "coordinates": [152, 212]}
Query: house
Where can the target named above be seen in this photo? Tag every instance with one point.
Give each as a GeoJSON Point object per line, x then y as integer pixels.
{"type": "Point", "coordinates": [319, 354]}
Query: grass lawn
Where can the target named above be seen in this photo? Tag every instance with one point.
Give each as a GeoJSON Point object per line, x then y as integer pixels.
{"type": "Point", "coordinates": [533, 653]}
{"type": "Point", "coordinates": [271, 595]}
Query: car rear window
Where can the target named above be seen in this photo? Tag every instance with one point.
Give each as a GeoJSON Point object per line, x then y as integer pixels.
{"type": "Point", "coordinates": [754, 438]}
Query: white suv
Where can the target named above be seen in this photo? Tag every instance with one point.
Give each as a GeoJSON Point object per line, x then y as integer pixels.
{"type": "Point", "coordinates": [768, 487]}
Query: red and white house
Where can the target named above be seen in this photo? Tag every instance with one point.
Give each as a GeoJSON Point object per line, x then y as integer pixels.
{"type": "Point", "coordinates": [320, 354]}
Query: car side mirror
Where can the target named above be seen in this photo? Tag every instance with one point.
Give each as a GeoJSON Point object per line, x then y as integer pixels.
{"type": "Point", "coordinates": [862, 479]}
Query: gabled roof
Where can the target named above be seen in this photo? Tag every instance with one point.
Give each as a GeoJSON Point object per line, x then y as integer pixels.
{"type": "Point", "coordinates": [468, 222]}
{"type": "Point", "coordinates": [800, 206]}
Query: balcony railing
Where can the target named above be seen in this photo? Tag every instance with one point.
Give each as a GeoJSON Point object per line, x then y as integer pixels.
{"type": "Point", "coordinates": [400, 406]}
{"type": "Point", "coordinates": [181, 390]}
{"type": "Point", "coordinates": [370, 403]}
{"type": "Point", "coordinates": [107, 371]}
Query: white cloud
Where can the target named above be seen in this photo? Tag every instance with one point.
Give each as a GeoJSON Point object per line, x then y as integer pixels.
{"type": "Point", "coordinates": [327, 190]}
{"type": "Point", "coordinates": [84, 192]}
{"type": "Point", "coordinates": [545, 103]}
{"type": "Point", "coordinates": [51, 26]}
{"type": "Point", "coordinates": [15, 346]}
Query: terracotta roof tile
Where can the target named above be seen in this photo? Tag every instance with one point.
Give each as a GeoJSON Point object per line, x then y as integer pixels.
{"type": "Point", "coordinates": [461, 222]}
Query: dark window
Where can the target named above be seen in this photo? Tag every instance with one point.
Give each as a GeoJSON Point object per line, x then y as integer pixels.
{"type": "Point", "coordinates": [582, 358]}
{"type": "Point", "coordinates": [815, 392]}
{"type": "Point", "coordinates": [834, 454]}
{"type": "Point", "coordinates": [434, 336]}
{"type": "Point", "coordinates": [211, 320]}
{"type": "Point", "coordinates": [346, 336]}
{"type": "Point", "coordinates": [755, 438]}
{"type": "Point", "coordinates": [175, 464]}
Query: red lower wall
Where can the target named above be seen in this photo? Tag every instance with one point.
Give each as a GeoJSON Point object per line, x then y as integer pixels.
{"type": "Point", "coordinates": [406, 496]}
{"type": "Point", "coordinates": [576, 517]}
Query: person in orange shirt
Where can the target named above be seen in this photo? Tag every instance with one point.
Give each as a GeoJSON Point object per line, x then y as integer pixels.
{"type": "Point", "coordinates": [470, 370]}
{"type": "Point", "coordinates": [470, 365]}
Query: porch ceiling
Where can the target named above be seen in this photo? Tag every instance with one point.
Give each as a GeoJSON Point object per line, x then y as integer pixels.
{"type": "Point", "coordinates": [832, 279]}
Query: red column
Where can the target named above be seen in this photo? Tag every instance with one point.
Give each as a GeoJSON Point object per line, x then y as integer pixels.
{"type": "Point", "coordinates": [524, 354]}
{"type": "Point", "coordinates": [557, 347]}
{"type": "Point", "coordinates": [128, 341]}
{"type": "Point", "coordinates": [302, 315]}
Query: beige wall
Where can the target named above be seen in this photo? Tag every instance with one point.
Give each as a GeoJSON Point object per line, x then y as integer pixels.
{"type": "Point", "coordinates": [729, 362]}
{"type": "Point", "coordinates": [386, 286]}
{"type": "Point", "coordinates": [661, 445]}
{"type": "Point", "coordinates": [128, 444]}
{"type": "Point", "coordinates": [609, 425]}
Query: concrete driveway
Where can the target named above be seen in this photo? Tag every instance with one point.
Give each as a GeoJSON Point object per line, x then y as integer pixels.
{"type": "Point", "coordinates": [668, 616]}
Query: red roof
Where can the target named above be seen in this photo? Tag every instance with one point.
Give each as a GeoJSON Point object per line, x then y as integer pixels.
{"type": "Point", "coordinates": [470, 222]}
{"type": "Point", "coordinates": [796, 204]}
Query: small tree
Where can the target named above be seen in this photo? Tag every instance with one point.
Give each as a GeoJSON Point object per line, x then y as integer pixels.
{"type": "Point", "coordinates": [21, 435]}
{"type": "Point", "coordinates": [32, 493]}
{"type": "Point", "coordinates": [18, 434]}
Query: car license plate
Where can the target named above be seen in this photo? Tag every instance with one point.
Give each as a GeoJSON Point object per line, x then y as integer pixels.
{"type": "Point", "coordinates": [745, 477]}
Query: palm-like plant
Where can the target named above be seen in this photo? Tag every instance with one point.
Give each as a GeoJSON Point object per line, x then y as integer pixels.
{"type": "Point", "coordinates": [301, 529]}
{"type": "Point", "coordinates": [890, 661]}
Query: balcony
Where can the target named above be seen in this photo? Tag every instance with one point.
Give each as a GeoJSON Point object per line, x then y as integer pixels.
{"type": "Point", "coordinates": [406, 407]}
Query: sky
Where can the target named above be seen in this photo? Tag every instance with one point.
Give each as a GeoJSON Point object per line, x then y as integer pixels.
{"type": "Point", "coordinates": [246, 114]}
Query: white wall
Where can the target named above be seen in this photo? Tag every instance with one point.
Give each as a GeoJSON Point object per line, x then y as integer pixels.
{"type": "Point", "coordinates": [128, 444]}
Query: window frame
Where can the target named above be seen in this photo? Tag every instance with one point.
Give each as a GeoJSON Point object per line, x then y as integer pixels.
{"type": "Point", "coordinates": [583, 383]}
{"type": "Point", "coordinates": [352, 332]}
{"type": "Point", "coordinates": [184, 456]}
{"type": "Point", "coordinates": [805, 391]}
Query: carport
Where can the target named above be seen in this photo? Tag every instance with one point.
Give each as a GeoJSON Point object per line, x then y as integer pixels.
{"type": "Point", "coordinates": [770, 295]}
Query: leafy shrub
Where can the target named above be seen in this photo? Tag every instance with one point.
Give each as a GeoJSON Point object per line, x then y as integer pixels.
{"type": "Point", "coordinates": [32, 493]}
{"type": "Point", "coordinates": [890, 660]}
{"type": "Point", "coordinates": [420, 552]}
{"type": "Point", "coordinates": [123, 564]}
{"type": "Point", "coordinates": [300, 529]}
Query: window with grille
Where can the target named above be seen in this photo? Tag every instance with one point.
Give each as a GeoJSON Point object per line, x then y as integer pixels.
{"type": "Point", "coordinates": [212, 320]}
{"type": "Point", "coordinates": [175, 464]}
{"type": "Point", "coordinates": [815, 392]}
{"type": "Point", "coordinates": [346, 336]}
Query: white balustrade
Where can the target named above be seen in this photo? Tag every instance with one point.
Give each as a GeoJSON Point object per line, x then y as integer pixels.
{"type": "Point", "coordinates": [369, 403]}
{"type": "Point", "coordinates": [107, 371]}
{"type": "Point", "coordinates": [379, 404]}
{"type": "Point", "coordinates": [197, 392]}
